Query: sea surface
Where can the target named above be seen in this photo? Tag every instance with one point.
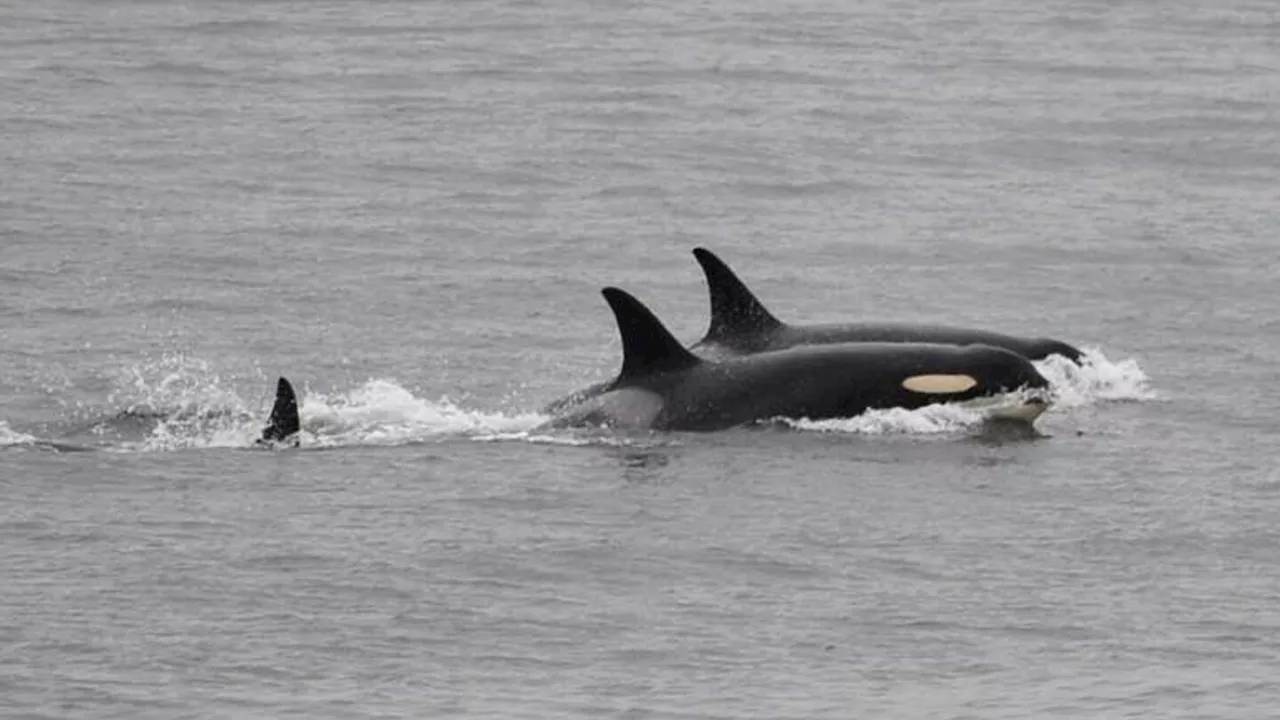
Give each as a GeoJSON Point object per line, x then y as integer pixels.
{"type": "Point", "coordinates": [409, 209]}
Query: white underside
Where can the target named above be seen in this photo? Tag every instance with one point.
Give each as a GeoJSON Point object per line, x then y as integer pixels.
{"type": "Point", "coordinates": [1014, 406]}
{"type": "Point", "coordinates": [629, 408]}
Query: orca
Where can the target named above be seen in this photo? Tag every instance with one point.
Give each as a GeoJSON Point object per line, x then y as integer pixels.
{"type": "Point", "coordinates": [283, 425]}
{"type": "Point", "coordinates": [740, 324]}
{"type": "Point", "coordinates": [663, 386]}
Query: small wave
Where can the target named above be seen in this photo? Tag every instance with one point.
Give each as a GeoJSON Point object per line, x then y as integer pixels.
{"type": "Point", "coordinates": [10, 437]}
{"type": "Point", "coordinates": [186, 405]}
{"type": "Point", "coordinates": [575, 437]}
{"type": "Point", "coordinates": [381, 412]}
{"type": "Point", "coordinates": [184, 69]}
{"type": "Point", "coordinates": [928, 420]}
{"type": "Point", "coordinates": [230, 26]}
{"type": "Point", "coordinates": [378, 413]}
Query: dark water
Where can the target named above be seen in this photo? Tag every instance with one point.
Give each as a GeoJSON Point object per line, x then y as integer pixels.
{"type": "Point", "coordinates": [409, 209]}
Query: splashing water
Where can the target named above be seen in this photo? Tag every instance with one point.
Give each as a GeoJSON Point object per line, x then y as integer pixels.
{"type": "Point", "coordinates": [383, 413]}
{"type": "Point", "coordinates": [174, 385]}
{"type": "Point", "coordinates": [176, 402]}
{"type": "Point", "coordinates": [1096, 378]}
{"type": "Point", "coordinates": [377, 413]}
{"type": "Point", "coordinates": [10, 437]}
{"type": "Point", "coordinates": [179, 402]}
{"type": "Point", "coordinates": [929, 420]}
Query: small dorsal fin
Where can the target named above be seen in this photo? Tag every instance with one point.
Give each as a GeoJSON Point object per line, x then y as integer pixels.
{"type": "Point", "coordinates": [735, 311]}
{"type": "Point", "coordinates": [284, 414]}
{"type": "Point", "coordinates": [647, 346]}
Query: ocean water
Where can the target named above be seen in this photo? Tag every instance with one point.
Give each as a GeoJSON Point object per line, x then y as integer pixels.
{"type": "Point", "coordinates": [409, 209]}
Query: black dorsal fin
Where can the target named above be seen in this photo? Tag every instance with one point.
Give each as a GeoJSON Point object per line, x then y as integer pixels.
{"type": "Point", "coordinates": [647, 346]}
{"type": "Point", "coordinates": [736, 313]}
{"type": "Point", "coordinates": [284, 414]}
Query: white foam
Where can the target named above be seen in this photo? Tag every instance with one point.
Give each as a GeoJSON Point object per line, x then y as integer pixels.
{"type": "Point", "coordinates": [198, 409]}
{"type": "Point", "coordinates": [176, 384]}
{"type": "Point", "coordinates": [928, 420]}
{"type": "Point", "coordinates": [195, 406]}
{"type": "Point", "coordinates": [381, 412]}
{"type": "Point", "coordinates": [1096, 379]}
{"type": "Point", "coordinates": [10, 437]}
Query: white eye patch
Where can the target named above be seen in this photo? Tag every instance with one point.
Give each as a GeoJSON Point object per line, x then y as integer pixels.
{"type": "Point", "coordinates": [939, 384]}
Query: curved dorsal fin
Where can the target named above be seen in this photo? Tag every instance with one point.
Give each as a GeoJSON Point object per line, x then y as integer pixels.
{"type": "Point", "coordinates": [284, 414]}
{"type": "Point", "coordinates": [647, 346]}
{"type": "Point", "coordinates": [735, 310]}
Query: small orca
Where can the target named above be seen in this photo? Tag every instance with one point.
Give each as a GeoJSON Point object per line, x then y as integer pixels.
{"type": "Point", "coordinates": [663, 386]}
{"type": "Point", "coordinates": [283, 426]}
{"type": "Point", "coordinates": [740, 325]}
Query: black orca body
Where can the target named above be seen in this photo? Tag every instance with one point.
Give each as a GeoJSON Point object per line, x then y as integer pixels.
{"type": "Point", "coordinates": [741, 325]}
{"type": "Point", "coordinates": [283, 426]}
{"type": "Point", "coordinates": [663, 386]}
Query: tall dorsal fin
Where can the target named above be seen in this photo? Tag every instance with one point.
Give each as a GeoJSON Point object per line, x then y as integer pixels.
{"type": "Point", "coordinates": [647, 346]}
{"type": "Point", "coordinates": [735, 310]}
{"type": "Point", "coordinates": [284, 414]}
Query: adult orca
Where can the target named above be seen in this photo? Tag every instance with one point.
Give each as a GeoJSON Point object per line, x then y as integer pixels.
{"type": "Point", "coordinates": [283, 425]}
{"type": "Point", "coordinates": [740, 324]}
{"type": "Point", "coordinates": [663, 386]}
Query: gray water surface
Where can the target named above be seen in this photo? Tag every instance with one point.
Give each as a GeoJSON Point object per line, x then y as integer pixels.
{"type": "Point", "coordinates": [409, 210]}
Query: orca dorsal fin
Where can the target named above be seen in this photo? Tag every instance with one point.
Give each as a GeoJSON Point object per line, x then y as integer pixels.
{"type": "Point", "coordinates": [736, 313]}
{"type": "Point", "coordinates": [647, 346]}
{"type": "Point", "coordinates": [284, 414]}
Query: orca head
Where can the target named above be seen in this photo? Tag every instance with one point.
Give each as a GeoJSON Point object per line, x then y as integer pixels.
{"type": "Point", "coordinates": [1005, 371]}
{"type": "Point", "coordinates": [981, 373]}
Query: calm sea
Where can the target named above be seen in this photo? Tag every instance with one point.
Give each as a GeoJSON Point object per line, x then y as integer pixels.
{"type": "Point", "coordinates": [409, 208]}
